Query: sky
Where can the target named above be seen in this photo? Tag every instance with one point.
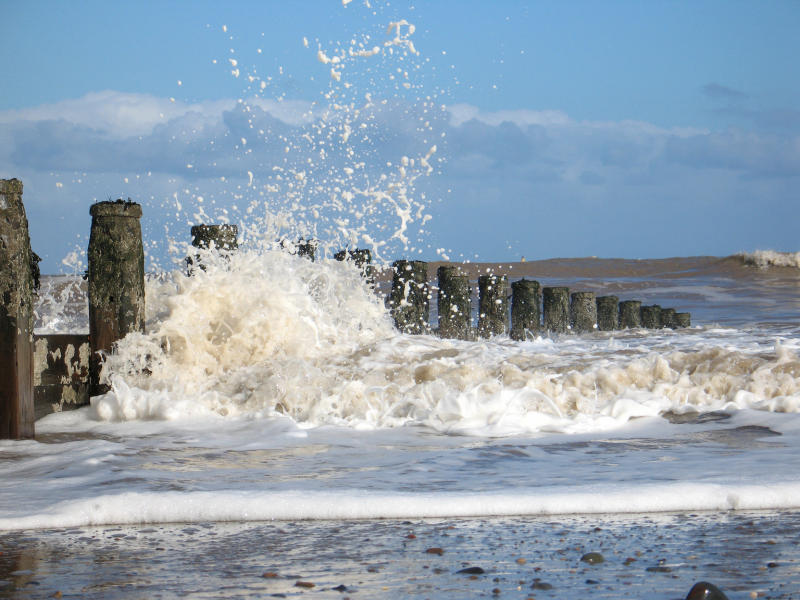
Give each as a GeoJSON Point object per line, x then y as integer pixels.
{"type": "Point", "coordinates": [487, 131]}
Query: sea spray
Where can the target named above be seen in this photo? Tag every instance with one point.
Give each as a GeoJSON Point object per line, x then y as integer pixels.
{"type": "Point", "coordinates": [269, 334]}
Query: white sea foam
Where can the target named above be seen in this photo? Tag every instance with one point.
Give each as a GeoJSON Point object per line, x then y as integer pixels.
{"type": "Point", "coordinates": [769, 258]}
{"type": "Point", "coordinates": [269, 334]}
{"type": "Point", "coordinates": [134, 508]}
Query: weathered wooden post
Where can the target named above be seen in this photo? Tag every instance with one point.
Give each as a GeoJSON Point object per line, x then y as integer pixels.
{"type": "Point", "coordinates": [409, 300]}
{"type": "Point", "coordinates": [116, 280]}
{"type": "Point", "coordinates": [308, 249]}
{"type": "Point", "coordinates": [555, 309]}
{"type": "Point", "coordinates": [362, 258]}
{"type": "Point", "coordinates": [668, 319]}
{"type": "Point", "coordinates": [454, 303]}
{"type": "Point", "coordinates": [526, 312]}
{"type": "Point", "coordinates": [607, 313]}
{"type": "Point", "coordinates": [212, 237]}
{"type": "Point", "coordinates": [583, 312]}
{"type": "Point", "coordinates": [630, 314]}
{"type": "Point", "coordinates": [651, 317]}
{"type": "Point", "coordinates": [683, 319]}
{"type": "Point", "coordinates": [17, 411]}
{"type": "Point", "coordinates": [492, 305]}
{"type": "Point", "coordinates": [220, 237]}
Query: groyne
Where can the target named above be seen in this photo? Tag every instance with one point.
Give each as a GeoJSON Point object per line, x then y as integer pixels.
{"type": "Point", "coordinates": [54, 372]}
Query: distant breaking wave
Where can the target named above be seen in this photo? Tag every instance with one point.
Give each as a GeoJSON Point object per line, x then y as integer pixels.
{"type": "Point", "coordinates": [764, 259]}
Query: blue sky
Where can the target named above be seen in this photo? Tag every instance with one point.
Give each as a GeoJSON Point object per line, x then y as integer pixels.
{"type": "Point", "coordinates": [632, 129]}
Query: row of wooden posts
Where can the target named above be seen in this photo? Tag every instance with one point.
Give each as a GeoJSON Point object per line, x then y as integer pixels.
{"type": "Point", "coordinates": [534, 309]}
{"type": "Point", "coordinates": [117, 302]}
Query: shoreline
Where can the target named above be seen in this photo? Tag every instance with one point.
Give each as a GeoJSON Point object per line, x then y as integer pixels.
{"type": "Point", "coordinates": [655, 557]}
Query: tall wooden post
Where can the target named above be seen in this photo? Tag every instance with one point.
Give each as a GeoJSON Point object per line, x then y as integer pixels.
{"type": "Point", "coordinates": [116, 280]}
{"type": "Point", "coordinates": [492, 305]}
{"type": "Point", "coordinates": [409, 299]}
{"type": "Point", "coordinates": [583, 312]}
{"type": "Point", "coordinates": [607, 313]}
{"type": "Point", "coordinates": [651, 316]}
{"type": "Point", "coordinates": [526, 312]}
{"type": "Point", "coordinates": [555, 309]}
{"type": "Point", "coordinates": [17, 412]}
{"type": "Point", "coordinates": [221, 237]}
{"type": "Point", "coordinates": [454, 303]}
{"type": "Point", "coordinates": [630, 314]}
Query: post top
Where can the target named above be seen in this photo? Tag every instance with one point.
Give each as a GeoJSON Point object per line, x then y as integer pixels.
{"type": "Point", "coordinates": [223, 228]}
{"type": "Point", "coordinates": [10, 186]}
{"type": "Point", "coordinates": [116, 208]}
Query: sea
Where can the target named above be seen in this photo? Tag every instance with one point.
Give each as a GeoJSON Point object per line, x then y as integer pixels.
{"type": "Point", "coordinates": [272, 434]}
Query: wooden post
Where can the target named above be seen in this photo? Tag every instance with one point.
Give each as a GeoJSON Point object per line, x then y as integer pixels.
{"type": "Point", "coordinates": [651, 317]}
{"type": "Point", "coordinates": [668, 318]}
{"type": "Point", "coordinates": [526, 312]}
{"type": "Point", "coordinates": [555, 309]}
{"type": "Point", "coordinates": [583, 312]}
{"type": "Point", "coordinates": [683, 319]}
{"type": "Point", "coordinates": [221, 237]}
{"type": "Point", "coordinates": [409, 299]}
{"type": "Point", "coordinates": [362, 258]}
{"type": "Point", "coordinates": [492, 305]}
{"type": "Point", "coordinates": [308, 249]}
{"type": "Point", "coordinates": [212, 237]}
{"type": "Point", "coordinates": [454, 303]}
{"type": "Point", "coordinates": [17, 411]}
{"type": "Point", "coordinates": [116, 280]}
{"type": "Point", "coordinates": [630, 314]}
{"type": "Point", "coordinates": [607, 313]}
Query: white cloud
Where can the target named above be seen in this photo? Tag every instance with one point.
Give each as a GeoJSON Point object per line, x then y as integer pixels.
{"type": "Point", "coordinates": [119, 115]}
{"type": "Point", "coordinates": [501, 165]}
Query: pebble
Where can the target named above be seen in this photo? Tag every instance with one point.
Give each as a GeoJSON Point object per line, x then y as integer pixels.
{"type": "Point", "coordinates": [304, 584]}
{"type": "Point", "coordinates": [471, 571]}
{"type": "Point", "coordinates": [521, 561]}
{"type": "Point", "coordinates": [437, 551]}
{"type": "Point", "coordinates": [703, 590]}
{"type": "Point", "coordinates": [593, 558]}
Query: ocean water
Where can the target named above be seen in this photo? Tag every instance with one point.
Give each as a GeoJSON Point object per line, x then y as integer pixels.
{"type": "Point", "coordinates": [273, 394]}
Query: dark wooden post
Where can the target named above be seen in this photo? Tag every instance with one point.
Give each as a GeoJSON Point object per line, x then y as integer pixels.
{"type": "Point", "coordinates": [220, 237]}
{"type": "Point", "coordinates": [555, 309]}
{"type": "Point", "coordinates": [308, 249]}
{"type": "Point", "coordinates": [212, 237]}
{"type": "Point", "coordinates": [607, 313]}
{"type": "Point", "coordinates": [526, 312]}
{"type": "Point", "coordinates": [630, 314]}
{"type": "Point", "coordinates": [454, 303]}
{"type": "Point", "coordinates": [492, 305]}
{"type": "Point", "coordinates": [116, 280]}
{"type": "Point", "coordinates": [362, 258]}
{"type": "Point", "coordinates": [17, 262]}
{"type": "Point", "coordinates": [651, 317]}
{"type": "Point", "coordinates": [409, 299]}
{"type": "Point", "coordinates": [668, 318]}
{"type": "Point", "coordinates": [583, 312]}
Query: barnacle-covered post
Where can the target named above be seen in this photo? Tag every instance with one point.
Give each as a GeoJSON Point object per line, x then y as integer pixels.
{"type": "Point", "coordinates": [18, 266]}
{"type": "Point", "coordinates": [116, 280]}
{"type": "Point", "coordinates": [607, 313]}
{"type": "Point", "coordinates": [409, 299]}
{"type": "Point", "coordinates": [555, 309]}
{"type": "Point", "coordinates": [454, 303]}
{"type": "Point", "coordinates": [526, 312]}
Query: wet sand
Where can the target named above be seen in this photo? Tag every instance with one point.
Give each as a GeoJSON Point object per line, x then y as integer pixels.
{"type": "Point", "coordinates": [656, 556]}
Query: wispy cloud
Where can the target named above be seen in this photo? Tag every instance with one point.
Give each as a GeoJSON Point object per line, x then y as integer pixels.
{"type": "Point", "coordinates": [495, 161]}
{"type": "Point", "coordinates": [722, 92]}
